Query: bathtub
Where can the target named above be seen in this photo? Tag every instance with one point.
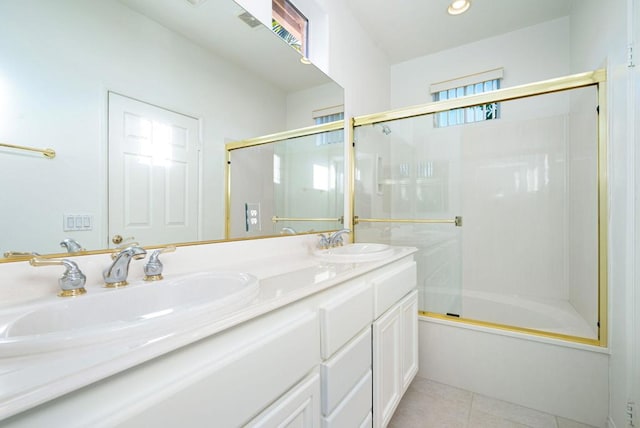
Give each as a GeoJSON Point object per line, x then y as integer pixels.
{"type": "Point", "coordinates": [482, 353]}
{"type": "Point", "coordinates": [554, 316]}
{"type": "Point", "coordinates": [550, 315]}
{"type": "Point", "coordinates": [558, 377]}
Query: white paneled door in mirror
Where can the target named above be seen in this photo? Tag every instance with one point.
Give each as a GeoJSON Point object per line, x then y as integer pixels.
{"type": "Point", "coordinates": [153, 173]}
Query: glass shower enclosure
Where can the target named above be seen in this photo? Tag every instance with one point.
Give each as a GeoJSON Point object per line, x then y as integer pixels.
{"type": "Point", "coordinates": [508, 215]}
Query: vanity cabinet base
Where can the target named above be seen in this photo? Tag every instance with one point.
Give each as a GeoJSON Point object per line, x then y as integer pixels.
{"type": "Point", "coordinates": [395, 359]}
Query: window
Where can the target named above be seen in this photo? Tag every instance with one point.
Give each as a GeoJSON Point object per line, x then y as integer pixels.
{"type": "Point", "coordinates": [469, 85]}
{"type": "Point", "coordinates": [277, 170]}
{"type": "Point", "coordinates": [320, 177]}
{"type": "Point", "coordinates": [328, 115]}
{"type": "Point", "coordinates": [288, 23]}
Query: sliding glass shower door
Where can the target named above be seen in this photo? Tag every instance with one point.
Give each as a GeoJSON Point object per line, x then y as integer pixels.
{"type": "Point", "coordinates": [509, 213]}
{"type": "Point", "coordinates": [407, 192]}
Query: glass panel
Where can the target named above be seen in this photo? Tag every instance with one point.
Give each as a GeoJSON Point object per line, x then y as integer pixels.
{"type": "Point", "coordinates": [414, 173]}
{"type": "Point", "coordinates": [529, 192]}
{"type": "Point", "coordinates": [526, 187]}
{"type": "Point", "coordinates": [438, 260]}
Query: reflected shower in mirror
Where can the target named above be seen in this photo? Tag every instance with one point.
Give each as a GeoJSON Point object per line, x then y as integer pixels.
{"type": "Point", "coordinates": [292, 184]}
{"type": "Point", "coordinates": [191, 90]}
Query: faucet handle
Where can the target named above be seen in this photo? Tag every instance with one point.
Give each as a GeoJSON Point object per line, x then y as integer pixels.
{"type": "Point", "coordinates": [71, 245]}
{"type": "Point", "coordinates": [153, 267]}
{"type": "Point", "coordinates": [323, 243]}
{"type": "Point", "coordinates": [72, 280]}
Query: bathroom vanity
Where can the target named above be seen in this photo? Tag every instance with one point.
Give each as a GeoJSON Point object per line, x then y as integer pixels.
{"type": "Point", "coordinates": [321, 343]}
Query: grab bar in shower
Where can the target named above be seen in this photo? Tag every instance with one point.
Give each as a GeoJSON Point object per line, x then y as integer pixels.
{"type": "Point", "coordinates": [457, 221]}
{"type": "Point", "coordinates": [48, 153]}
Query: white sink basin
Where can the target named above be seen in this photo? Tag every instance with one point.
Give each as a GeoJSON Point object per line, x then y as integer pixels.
{"type": "Point", "coordinates": [141, 311]}
{"type": "Point", "coordinates": [355, 253]}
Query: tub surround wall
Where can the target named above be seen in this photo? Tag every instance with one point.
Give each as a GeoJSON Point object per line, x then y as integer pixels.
{"type": "Point", "coordinates": [513, 203]}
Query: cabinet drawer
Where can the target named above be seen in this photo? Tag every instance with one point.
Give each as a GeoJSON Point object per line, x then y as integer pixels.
{"type": "Point", "coordinates": [297, 408]}
{"type": "Point", "coordinates": [354, 408]}
{"type": "Point", "coordinates": [392, 286]}
{"type": "Point", "coordinates": [344, 316]}
{"type": "Point", "coordinates": [344, 370]}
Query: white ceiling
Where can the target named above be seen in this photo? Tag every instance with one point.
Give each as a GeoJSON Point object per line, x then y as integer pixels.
{"type": "Point", "coordinates": [406, 29]}
{"type": "Point", "coordinates": [215, 26]}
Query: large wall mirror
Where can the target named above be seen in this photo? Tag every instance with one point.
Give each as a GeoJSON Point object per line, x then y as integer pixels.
{"type": "Point", "coordinates": [137, 98]}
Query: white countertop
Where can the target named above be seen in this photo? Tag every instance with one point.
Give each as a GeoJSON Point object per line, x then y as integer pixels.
{"type": "Point", "coordinates": [26, 382]}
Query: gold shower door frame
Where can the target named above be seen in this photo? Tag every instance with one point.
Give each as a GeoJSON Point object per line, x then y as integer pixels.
{"type": "Point", "coordinates": [595, 78]}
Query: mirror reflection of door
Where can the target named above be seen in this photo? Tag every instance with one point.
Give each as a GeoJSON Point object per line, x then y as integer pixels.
{"type": "Point", "coordinates": [153, 173]}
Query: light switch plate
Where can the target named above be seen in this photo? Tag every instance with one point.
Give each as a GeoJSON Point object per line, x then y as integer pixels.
{"type": "Point", "coordinates": [77, 222]}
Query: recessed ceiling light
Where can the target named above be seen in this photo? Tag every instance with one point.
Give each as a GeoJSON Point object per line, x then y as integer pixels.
{"type": "Point", "coordinates": [458, 6]}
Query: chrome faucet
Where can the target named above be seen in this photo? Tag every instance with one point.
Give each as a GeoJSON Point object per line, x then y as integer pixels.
{"type": "Point", "coordinates": [72, 281]}
{"type": "Point", "coordinates": [116, 274]}
{"type": "Point", "coordinates": [335, 239]}
{"type": "Point", "coordinates": [153, 268]}
{"type": "Point", "coordinates": [71, 245]}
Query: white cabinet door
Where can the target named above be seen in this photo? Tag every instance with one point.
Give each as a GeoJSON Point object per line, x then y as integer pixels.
{"type": "Point", "coordinates": [387, 362]}
{"type": "Point", "coordinates": [395, 357]}
{"type": "Point", "coordinates": [409, 339]}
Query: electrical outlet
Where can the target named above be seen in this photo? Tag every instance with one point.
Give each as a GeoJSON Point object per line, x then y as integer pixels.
{"type": "Point", "coordinates": [252, 217]}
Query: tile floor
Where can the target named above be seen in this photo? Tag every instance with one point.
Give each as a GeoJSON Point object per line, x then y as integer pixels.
{"type": "Point", "coordinates": [428, 404]}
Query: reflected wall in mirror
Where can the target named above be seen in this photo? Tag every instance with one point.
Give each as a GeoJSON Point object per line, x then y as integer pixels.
{"type": "Point", "coordinates": [290, 185]}
{"type": "Point", "coordinates": [61, 60]}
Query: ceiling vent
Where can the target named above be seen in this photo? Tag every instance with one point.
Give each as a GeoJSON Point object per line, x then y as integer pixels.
{"type": "Point", "coordinates": [248, 19]}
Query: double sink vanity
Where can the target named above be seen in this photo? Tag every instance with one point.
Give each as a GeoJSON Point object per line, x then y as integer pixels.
{"type": "Point", "coordinates": [269, 333]}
